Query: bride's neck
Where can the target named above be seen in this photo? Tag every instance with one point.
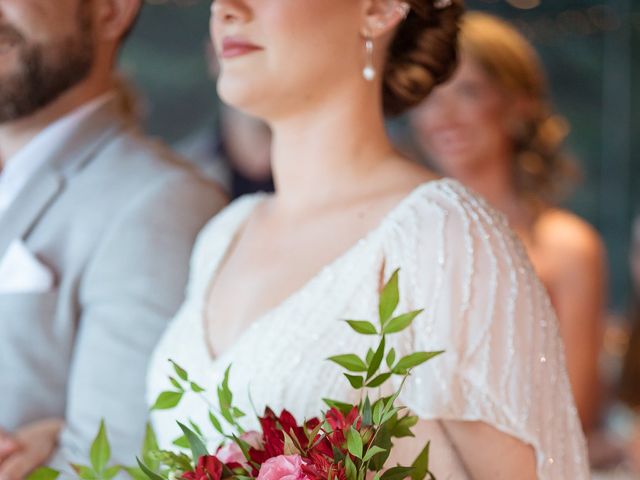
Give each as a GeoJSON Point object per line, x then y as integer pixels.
{"type": "Point", "coordinates": [323, 155]}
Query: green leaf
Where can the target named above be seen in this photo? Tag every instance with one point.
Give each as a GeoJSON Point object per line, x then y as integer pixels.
{"type": "Point", "coordinates": [290, 447]}
{"type": "Point", "coordinates": [421, 464]}
{"type": "Point", "coordinates": [369, 356]}
{"type": "Point", "coordinates": [389, 401]}
{"type": "Point", "coordinates": [403, 426]}
{"type": "Point", "coordinates": [216, 423]}
{"type": "Point", "coordinates": [413, 360]}
{"type": "Point", "coordinates": [43, 473]}
{"type": "Point", "coordinates": [195, 443]}
{"type": "Point", "coordinates": [351, 362]}
{"type": "Point", "coordinates": [379, 380]}
{"type": "Point", "coordinates": [237, 413]}
{"type": "Point", "coordinates": [363, 327]}
{"type": "Point", "coordinates": [225, 397]}
{"type": "Point", "coordinates": [371, 452]}
{"type": "Point", "coordinates": [167, 400]}
{"type": "Point", "coordinates": [135, 473]}
{"type": "Point", "coordinates": [377, 411]}
{"type": "Point", "coordinates": [367, 413]}
{"type": "Point", "coordinates": [389, 299]}
{"type": "Point", "coordinates": [195, 428]}
{"type": "Point", "coordinates": [383, 440]}
{"type": "Point", "coordinates": [397, 473]}
{"type": "Point", "coordinates": [176, 384]}
{"type": "Point", "coordinates": [152, 475]}
{"type": "Point", "coordinates": [391, 357]}
{"type": "Point", "coordinates": [181, 372]}
{"type": "Point", "coordinates": [181, 442]}
{"type": "Point", "coordinates": [354, 443]}
{"type": "Point", "coordinates": [389, 415]}
{"type": "Point", "coordinates": [85, 473]}
{"type": "Point", "coordinates": [343, 407]}
{"type": "Point", "coordinates": [226, 391]}
{"type": "Point", "coordinates": [311, 435]}
{"type": "Point", "coordinates": [350, 469]}
{"type": "Point", "coordinates": [376, 361]}
{"type": "Point", "coordinates": [100, 450]}
{"type": "Point", "coordinates": [401, 322]}
{"type": "Point", "coordinates": [111, 472]}
{"type": "Point", "coordinates": [149, 447]}
{"type": "Point", "coordinates": [175, 461]}
{"type": "Point", "coordinates": [356, 381]}
{"type": "Point", "coordinates": [195, 388]}
{"type": "Point", "coordinates": [244, 447]}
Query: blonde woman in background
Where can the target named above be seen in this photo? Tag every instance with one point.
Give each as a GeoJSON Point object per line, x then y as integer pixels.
{"type": "Point", "coordinates": [492, 127]}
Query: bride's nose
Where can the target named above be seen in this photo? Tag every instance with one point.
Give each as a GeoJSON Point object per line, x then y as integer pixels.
{"type": "Point", "coordinates": [230, 11]}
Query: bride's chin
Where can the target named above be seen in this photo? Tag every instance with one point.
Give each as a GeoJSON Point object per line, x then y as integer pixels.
{"type": "Point", "coordinates": [242, 97]}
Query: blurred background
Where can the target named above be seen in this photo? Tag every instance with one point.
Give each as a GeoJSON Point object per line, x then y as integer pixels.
{"type": "Point", "coordinates": [591, 50]}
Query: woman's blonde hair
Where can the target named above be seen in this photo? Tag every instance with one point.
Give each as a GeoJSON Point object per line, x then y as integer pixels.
{"type": "Point", "coordinates": [543, 171]}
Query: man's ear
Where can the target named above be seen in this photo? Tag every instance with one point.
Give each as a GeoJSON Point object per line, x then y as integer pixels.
{"type": "Point", "coordinates": [114, 18]}
{"type": "Point", "coordinates": [383, 16]}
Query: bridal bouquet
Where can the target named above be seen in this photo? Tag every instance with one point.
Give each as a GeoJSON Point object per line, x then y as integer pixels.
{"type": "Point", "coordinates": [345, 442]}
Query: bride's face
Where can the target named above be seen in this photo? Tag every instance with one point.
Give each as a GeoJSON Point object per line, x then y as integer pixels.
{"type": "Point", "coordinates": [279, 55]}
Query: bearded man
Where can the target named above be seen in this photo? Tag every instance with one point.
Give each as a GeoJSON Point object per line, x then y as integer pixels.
{"type": "Point", "coordinates": [96, 228]}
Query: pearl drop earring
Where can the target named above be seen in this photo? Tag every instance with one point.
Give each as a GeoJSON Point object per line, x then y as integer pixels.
{"type": "Point", "coordinates": [368, 72]}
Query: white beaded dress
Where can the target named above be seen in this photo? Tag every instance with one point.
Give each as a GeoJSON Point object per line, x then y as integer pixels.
{"type": "Point", "coordinates": [504, 361]}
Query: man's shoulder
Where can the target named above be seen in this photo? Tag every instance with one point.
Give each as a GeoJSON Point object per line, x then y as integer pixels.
{"type": "Point", "coordinates": [138, 154]}
{"type": "Point", "coordinates": [133, 162]}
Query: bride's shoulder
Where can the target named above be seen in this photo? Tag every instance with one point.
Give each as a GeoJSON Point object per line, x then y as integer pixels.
{"type": "Point", "coordinates": [456, 200]}
{"type": "Point", "coordinates": [447, 212]}
{"type": "Point", "coordinates": [452, 235]}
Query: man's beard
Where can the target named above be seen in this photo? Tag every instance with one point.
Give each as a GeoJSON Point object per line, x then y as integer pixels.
{"type": "Point", "coordinates": [45, 71]}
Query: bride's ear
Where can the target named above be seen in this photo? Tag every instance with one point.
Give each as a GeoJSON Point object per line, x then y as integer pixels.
{"type": "Point", "coordinates": [383, 16]}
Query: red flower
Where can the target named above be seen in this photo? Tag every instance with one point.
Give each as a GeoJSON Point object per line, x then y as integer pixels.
{"type": "Point", "coordinates": [341, 425]}
{"type": "Point", "coordinates": [338, 421]}
{"type": "Point", "coordinates": [320, 467]}
{"type": "Point", "coordinates": [273, 430]}
{"type": "Point", "coordinates": [208, 468]}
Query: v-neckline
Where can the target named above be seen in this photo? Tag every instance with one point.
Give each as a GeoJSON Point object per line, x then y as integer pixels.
{"type": "Point", "coordinates": [232, 239]}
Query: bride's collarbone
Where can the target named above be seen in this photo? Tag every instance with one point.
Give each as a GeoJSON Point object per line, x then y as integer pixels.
{"type": "Point", "coordinates": [266, 268]}
{"type": "Point", "coordinates": [272, 258]}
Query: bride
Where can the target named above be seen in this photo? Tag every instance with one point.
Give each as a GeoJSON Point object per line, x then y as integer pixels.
{"type": "Point", "coordinates": [273, 275]}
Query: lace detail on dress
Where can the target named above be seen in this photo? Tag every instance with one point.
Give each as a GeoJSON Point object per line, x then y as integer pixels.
{"type": "Point", "coordinates": [504, 362]}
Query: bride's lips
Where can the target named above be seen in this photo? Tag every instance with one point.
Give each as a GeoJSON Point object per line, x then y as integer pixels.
{"type": "Point", "coordinates": [235, 47]}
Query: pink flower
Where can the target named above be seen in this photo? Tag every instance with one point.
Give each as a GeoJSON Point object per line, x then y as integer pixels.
{"type": "Point", "coordinates": [284, 467]}
{"type": "Point", "coordinates": [232, 453]}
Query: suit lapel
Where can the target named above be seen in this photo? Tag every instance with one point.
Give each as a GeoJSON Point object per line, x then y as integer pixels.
{"type": "Point", "coordinates": [63, 161]}
{"type": "Point", "coordinates": [29, 206]}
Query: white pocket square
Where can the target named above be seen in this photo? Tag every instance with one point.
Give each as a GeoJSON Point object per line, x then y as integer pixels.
{"type": "Point", "coordinates": [22, 272]}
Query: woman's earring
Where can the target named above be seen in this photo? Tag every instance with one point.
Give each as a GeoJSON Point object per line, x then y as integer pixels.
{"type": "Point", "coordinates": [368, 72]}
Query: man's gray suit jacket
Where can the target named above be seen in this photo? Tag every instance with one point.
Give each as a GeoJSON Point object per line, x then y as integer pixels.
{"type": "Point", "coordinates": [114, 216]}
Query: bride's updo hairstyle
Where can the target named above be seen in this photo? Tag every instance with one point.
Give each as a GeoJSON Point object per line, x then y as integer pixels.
{"type": "Point", "coordinates": [422, 54]}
